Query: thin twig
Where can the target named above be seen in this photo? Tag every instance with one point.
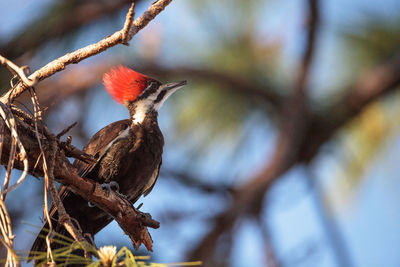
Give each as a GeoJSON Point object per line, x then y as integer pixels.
{"type": "Point", "coordinates": [37, 117]}
{"type": "Point", "coordinates": [48, 169]}
{"type": "Point", "coordinates": [137, 231]}
{"type": "Point", "coordinates": [66, 130]}
{"type": "Point", "coordinates": [1, 139]}
{"type": "Point", "coordinates": [71, 151]}
{"type": "Point", "coordinates": [62, 24]}
{"type": "Point", "coordinates": [10, 167]}
{"type": "Point", "coordinates": [31, 81]}
{"type": "Point", "coordinates": [10, 122]}
{"type": "Point", "coordinates": [90, 50]}
{"type": "Point", "coordinates": [5, 225]}
{"type": "Point", "coordinates": [313, 19]}
{"type": "Point", "coordinates": [63, 216]}
{"type": "Point", "coordinates": [6, 228]}
{"type": "Point", "coordinates": [147, 16]}
{"type": "Point", "coordinates": [128, 24]}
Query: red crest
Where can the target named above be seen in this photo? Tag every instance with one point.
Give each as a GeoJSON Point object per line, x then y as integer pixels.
{"type": "Point", "coordinates": [124, 84]}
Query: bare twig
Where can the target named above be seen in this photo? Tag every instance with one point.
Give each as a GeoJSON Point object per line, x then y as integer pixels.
{"type": "Point", "coordinates": [19, 71]}
{"type": "Point", "coordinates": [1, 139]}
{"type": "Point", "coordinates": [9, 120]}
{"type": "Point", "coordinates": [133, 222]}
{"type": "Point", "coordinates": [90, 50]}
{"type": "Point", "coordinates": [72, 151]}
{"type": "Point", "coordinates": [37, 116]}
{"type": "Point", "coordinates": [128, 24]}
{"type": "Point", "coordinates": [62, 23]}
{"type": "Point", "coordinates": [313, 20]}
{"type": "Point", "coordinates": [48, 169]}
{"type": "Point", "coordinates": [124, 213]}
{"type": "Point", "coordinates": [8, 236]}
{"type": "Point", "coordinates": [63, 216]}
{"type": "Point", "coordinates": [66, 130]}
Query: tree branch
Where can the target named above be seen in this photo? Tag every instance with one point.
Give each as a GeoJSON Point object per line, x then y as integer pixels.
{"type": "Point", "coordinates": [193, 182]}
{"type": "Point", "coordinates": [118, 37]}
{"type": "Point", "coordinates": [368, 87]}
{"type": "Point", "coordinates": [249, 197]}
{"type": "Point", "coordinates": [66, 17]}
{"type": "Point", "coordinates": [308, 55]}
{"type": "Point", "coordinates": [18, 71]}
{"type": "Point", "coordinates": [132, 221]}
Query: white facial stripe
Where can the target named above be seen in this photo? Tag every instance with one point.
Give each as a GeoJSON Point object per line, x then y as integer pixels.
{"type": "Point", "coordinates": [143, 106]}
{"type": "Point", "coordinates": [158, 105]}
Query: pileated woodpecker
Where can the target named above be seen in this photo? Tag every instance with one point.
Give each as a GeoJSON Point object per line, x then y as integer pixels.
{"type": "Point", "coordinates": [127, 152]}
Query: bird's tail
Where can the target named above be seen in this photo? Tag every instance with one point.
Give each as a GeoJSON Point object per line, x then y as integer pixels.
{"type": "Point", "coordinates": [61, 244]}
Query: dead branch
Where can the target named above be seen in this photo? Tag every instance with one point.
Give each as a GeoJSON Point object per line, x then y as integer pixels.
{"type": "Point", "coordinates": [62, 24]}
{"type": "Point", "coordinates": [24, 134]}
{"type": "Point", "coordinates": [48, 169]}
{"type": "Point", "coordinates": [72, 81]}
{"type": "Point", "coordinates": [133, 222]}
{"type": "Point", "coordinates": [9, 121]}
{"type": "Point", "coordinates": [19, 71]}
{"type": "Point", "coordinates": [75, 57]}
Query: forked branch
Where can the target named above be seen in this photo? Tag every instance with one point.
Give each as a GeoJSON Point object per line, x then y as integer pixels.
{"type": "Point", "coordinates": [120, 37]}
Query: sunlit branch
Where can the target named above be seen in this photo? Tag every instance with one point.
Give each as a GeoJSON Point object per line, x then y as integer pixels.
{"type": "Point", "coordinates": [118, 37]}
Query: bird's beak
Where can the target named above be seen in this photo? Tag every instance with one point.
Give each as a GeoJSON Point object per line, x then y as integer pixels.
{"type": "Point", "coordinates": [174, 86]}
{"type": "Point", "coordinates": [166, 91]}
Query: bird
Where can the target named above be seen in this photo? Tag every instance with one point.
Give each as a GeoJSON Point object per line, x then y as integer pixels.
{"type": "Point", "coordinates": [127, 153]}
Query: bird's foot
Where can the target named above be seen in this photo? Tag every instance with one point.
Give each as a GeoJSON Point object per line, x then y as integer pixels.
{"type": "Point", "coordinates": [114, 186]}
{"type": "Point", "coordinates": [111, 186]}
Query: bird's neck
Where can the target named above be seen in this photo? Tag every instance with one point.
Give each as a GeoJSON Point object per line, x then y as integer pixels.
{"type": "Point", "coordinates": [141, 111]}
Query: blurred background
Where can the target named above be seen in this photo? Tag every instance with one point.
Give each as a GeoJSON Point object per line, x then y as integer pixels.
{"type": "Point", "coordinates": [283, 148]}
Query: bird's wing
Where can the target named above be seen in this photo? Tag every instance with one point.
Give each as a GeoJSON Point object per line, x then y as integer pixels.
{"type": "Point", "coordinates": [93, 147]}
{"type": "Point", "coordinates": [96, 145]}
{"type": "Point", "coordinates": [152, 181]}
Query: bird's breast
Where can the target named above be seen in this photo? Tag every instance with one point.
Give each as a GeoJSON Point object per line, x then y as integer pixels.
{"type": "Point", "coordinates": [131, 161]}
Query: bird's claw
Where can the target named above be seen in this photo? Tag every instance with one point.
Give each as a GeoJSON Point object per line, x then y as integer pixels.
{"type": "Point", "coordinates": [114, 186]}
